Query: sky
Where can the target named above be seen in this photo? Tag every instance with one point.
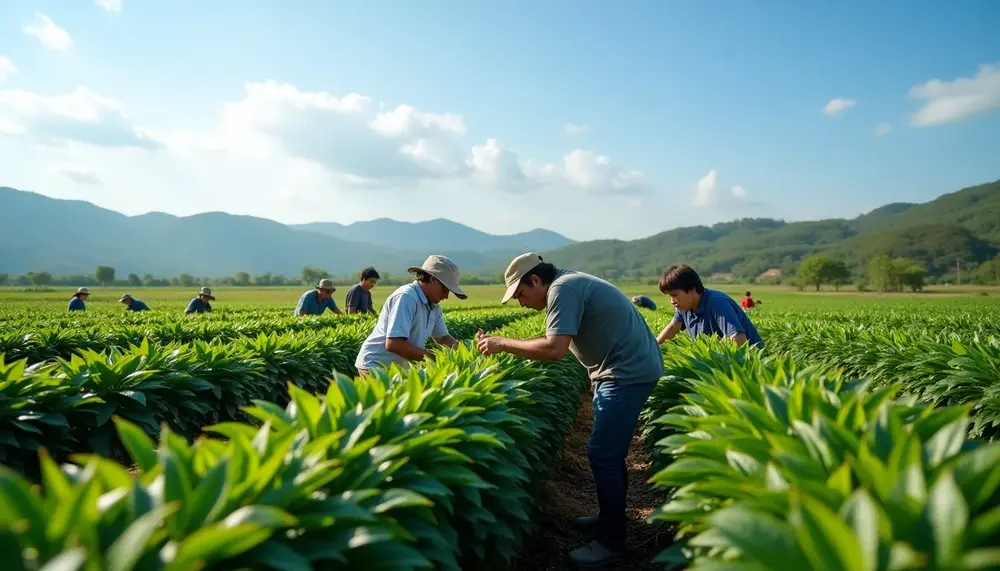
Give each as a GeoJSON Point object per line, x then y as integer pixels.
{"type": "Point", "coordinates": [591, 118]}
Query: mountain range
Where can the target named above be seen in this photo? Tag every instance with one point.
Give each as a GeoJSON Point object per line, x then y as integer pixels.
{"type": "Point", "coordinates": [69, 236]}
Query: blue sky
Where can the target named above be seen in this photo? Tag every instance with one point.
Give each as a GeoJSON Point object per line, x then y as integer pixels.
{"type": "Point", "coordinates": [244, 106]}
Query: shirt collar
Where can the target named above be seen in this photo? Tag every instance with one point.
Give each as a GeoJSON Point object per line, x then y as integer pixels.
{"type": "Point", "coordinates": [702, 304]}
{"type": "Point", "coordinates": [420, 295]}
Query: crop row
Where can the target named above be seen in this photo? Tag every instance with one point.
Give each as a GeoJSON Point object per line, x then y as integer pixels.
{"type": "Point", "coordinates": [938, 368]}
{"type": "Point", "coordinates": [775, 465]}
{"type": "Point", "coordinates": [436, 467]}
{"type": "Point", "coordinates": [37, 344]}
{"type": "Point", "coordinates": [66, 404]}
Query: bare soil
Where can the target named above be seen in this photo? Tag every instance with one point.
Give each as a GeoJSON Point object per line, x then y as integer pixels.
{"type": "Point", "coordinates": [570, 492]}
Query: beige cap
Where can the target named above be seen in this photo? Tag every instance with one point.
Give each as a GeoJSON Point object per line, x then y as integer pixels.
{"type": "Point", "coordinates": [124, 297]}
{"type": "Point", "coordinates": [83, 290]}
{"type": "Point", "coordinates": [207, 292]}
{"type": "Point", "coordinates": [443, 269]}
{"type": "Point", "coordinates": [326, 283]}
{"type": "Point", "coordinates": [516, 270]}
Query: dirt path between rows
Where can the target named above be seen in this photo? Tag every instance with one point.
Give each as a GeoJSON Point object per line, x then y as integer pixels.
{"type": "Point", "coordinates": [570, 492]}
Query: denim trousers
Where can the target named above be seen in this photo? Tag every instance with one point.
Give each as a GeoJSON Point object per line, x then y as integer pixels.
{"type": "Point", "coordinates": [616, 413]}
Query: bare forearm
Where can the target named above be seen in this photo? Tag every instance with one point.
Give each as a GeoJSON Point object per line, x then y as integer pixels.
{"type": "Point", "coordinates": [668, 332]}
{"type": "Point", "coordinates": [405, 349]}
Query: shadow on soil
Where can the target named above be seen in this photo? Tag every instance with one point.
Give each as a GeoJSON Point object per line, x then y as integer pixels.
{"type": "Point", "coordinates": [570, 492]}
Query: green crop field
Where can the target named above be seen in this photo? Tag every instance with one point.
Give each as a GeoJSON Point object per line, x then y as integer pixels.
{"type": "Point", "coordinates": [862, 437]}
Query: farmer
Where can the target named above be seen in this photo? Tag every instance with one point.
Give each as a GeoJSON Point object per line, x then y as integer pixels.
{"type": "Point", "coordinates": [359, 297]}
{"type": "Point", "coordinates": [410, 315]}
{"type": "Point", "coordinates": [606, 333]}
{"type": "Point", "coordinates": [643, 301]}
{"type": "Point", "coordinates": [703, 311]}
{"type": "Point", "coordinates": [318, 299]}
{"type": "Point", "coordinates": [199, 304]}
{"type": "Point", "coordinates": [132, 304]}
{"type": "Point", "coordinates": [76, 302]}
{"type": "Point", "coordinates": [747, 302]}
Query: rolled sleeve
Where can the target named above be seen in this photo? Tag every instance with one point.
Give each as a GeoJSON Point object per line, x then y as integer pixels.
{"type": "Point", "coordinates": [565, 312]}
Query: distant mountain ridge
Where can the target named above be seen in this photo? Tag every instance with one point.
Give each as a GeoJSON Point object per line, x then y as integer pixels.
{"type": "Point", "coordinates": [71, 236]}
{"type": "Point", "coordinates": [958, 227]}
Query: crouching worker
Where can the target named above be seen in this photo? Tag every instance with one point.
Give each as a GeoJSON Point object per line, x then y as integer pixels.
{"type": "Point", "coordinates": [76, 303]}
{"type": "Point", "coordinates": [318, 300]}
{"type": "Point", "coordinates": [133, 304]}
{"type": "Point", "coordinates": [703, 311]}
{"type": "Point", "coordinates": [597, 323]}
{"type": "Point", "coordinates": [200, 303]}
{"type": "Point", "coordinates": [410, 316]}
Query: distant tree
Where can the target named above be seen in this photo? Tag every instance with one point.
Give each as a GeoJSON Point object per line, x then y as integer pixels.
{"type": "Point", "coordinates": [134, 280]}
{"type": "Point", "coordinates": [312, 275]}
{"type": "Point", "coordinates": [40, 278]}
{"type": "Point", "coordinates": [907, 273]}
{"type": "Point", "coordinates": [105, 275]}
{"type": "Point", "coordinates": [186, 280]}
{"type": "Point", "coordinates": [241, 279]}
{"type": "Point", "coordinates": [880, 273]}
{"type": "Point", "coordinates": [21, 280]}
{"type": "Point", "coordinates": [3, 279]}
{"type": "Point", "coordinates": [819, 269]}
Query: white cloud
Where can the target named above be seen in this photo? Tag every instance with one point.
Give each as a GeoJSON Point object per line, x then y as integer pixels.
{"type": "Point", "coordinates": [110, 5]}
{"type": "Point", "coordinates": [951, 101]}
{"type": "Point", "coordinates": [837, 105]}
{"type": "Point", "coordinates": [49, 33]}
{"type": "Point", "coordinates": [574, 129]}
{"type": "Point", "coordinates": [739, 191]}
{"type": "Point", "coordinates": [883, 129]}
{"type": "Point", "coordinates": [493, 165]}
{"type": "Point", "coordinates": [83, 116]}
{"type": "Point", "coordinates": [704, 191]}
{"type": "Point", "coordinates": [7, 68]}
{"type": "Point", "coordinates": [590, 171]}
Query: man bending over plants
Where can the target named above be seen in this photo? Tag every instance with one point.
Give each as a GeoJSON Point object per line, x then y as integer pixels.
{"type": "Point", "coordinates": [703, 311]}
{"type": "Point", "coordinates": [597, 323]}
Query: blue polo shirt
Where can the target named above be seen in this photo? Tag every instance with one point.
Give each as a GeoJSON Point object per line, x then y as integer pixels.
{"type": "Point", "coordinates": [718, 314]}
{"type": "Point", "coordinates": [197, 305]}
{"type": "Point", "coordinates": [137, 306]}
{"type": "Point", "coordinates": [313, 306]}
{"type": "Point", "coordinates": [76, 304]}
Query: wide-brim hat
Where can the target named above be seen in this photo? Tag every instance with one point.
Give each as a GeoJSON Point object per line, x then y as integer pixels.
{"type": "Point", "coordinates": [444, 270]}
{"type": "Point", "coordinates": [82, 290]}
{"type": "Point", "coordinates": [326, 283]}
{"type": "Point", "coordinates": [516, 270]}
{"type": "Point", "coordinates": [124, 297]}
{"type": "Point", "coordinates": [207, 292]}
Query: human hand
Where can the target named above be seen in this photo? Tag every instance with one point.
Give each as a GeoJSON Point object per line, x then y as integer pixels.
{"type": "Point", "coordinates": [489, 345]}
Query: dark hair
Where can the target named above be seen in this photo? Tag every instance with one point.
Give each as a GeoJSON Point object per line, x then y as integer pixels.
{"type": "Point", "coordinates": [680, 276]}
{"type": "Point", "coordinates": [545, 271]}
{"type": "Point", "coordinates": [369, 272]}
{"type": "Point", "coordinates": [748, 294]}
{"type": "Point", "coordinates": [423, 277]}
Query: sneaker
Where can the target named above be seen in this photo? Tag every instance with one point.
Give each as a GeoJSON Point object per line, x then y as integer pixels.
{"type": "Point", "coordinates": [594, 554]}
{"type": "Point", "coordinates": [585, 522]}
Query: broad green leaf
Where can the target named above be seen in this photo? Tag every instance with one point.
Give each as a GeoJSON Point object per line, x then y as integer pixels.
{"type": "Point", "coordinates": [828, 543]}
{"type": "Point", "coordinates": [760, 538]}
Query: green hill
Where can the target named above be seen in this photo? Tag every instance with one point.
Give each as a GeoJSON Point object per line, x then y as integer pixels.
{"type": "Point", "coordinates": [963, 225]}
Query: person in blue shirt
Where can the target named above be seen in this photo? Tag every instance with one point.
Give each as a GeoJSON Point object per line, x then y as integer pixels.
{"type": "Point", "coordinates": [76, 303]}
{"type": "Point", "coordinates": [318, 300]}
{"type": "Point", "coordinates": [133, 304]}
{"type": "Point", "coordinates": [199, 304]}
{"type": "Point", "coordinates": [703, 311]}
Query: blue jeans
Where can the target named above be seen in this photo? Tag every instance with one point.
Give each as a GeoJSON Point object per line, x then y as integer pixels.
{"type": "Point", "coordinates": [616, 412]}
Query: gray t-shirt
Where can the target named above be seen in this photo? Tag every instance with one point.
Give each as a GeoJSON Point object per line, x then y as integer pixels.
{"type": "Point", "coordinates": [610, 337]}
{"type": "Point", "coordinates": [360, 298]}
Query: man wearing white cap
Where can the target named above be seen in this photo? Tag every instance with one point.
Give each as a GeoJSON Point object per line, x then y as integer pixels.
{"type": "Point", "coordinates": [318, 300]}
{"type": "Point", "coordinates": [605, 332]}
{"type": "Point", "coordinates": [410, 316]}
